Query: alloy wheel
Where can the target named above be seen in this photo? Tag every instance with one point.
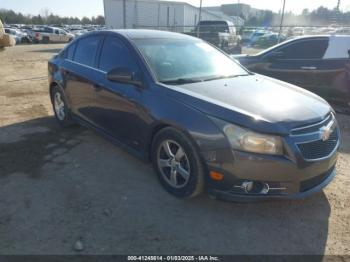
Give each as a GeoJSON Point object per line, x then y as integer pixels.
{"type": "Point", "coordinates": [59, 106]}
{"type": "Point", "coordinates": [173, 164]}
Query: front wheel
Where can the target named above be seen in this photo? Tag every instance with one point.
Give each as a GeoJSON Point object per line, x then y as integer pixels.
{"type": "Point", "coordinates": [177, 163]}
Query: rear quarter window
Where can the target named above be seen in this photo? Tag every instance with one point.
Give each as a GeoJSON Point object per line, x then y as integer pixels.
{"type": "Point", "coordinates": [339, 48]}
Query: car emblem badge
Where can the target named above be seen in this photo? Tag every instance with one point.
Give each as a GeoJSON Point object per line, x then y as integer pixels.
{"type": "Point", "coordinates": [326, 131]}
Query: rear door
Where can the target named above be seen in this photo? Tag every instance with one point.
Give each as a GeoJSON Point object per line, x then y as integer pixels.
{"type": "Point", "coordinates": [333, 73]}
{"type": "Point", "coordinates": [296, 62]}
{"type": "Point", "coordinates": [55, 37]}
{"type": "Point", "coordinates": [79, 70]}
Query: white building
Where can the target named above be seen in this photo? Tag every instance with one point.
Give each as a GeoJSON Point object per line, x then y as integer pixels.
{"type": "Point", "coordinates": [153, 14]}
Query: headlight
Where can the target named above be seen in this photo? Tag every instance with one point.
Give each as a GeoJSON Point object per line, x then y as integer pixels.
{"type": "Point", "coordinates": [249, 141]}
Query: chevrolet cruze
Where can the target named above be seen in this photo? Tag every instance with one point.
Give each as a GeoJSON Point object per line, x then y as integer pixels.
{"type": "Point", "coordinates": [203, 120]}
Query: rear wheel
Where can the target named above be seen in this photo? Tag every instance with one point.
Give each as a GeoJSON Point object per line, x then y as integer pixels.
{"type": "Point", "coordinates": [177, 163]}
{"type": "Point", "coordinates": [46, 40]}
{"type": "Point", "coordinates": [60, 107]}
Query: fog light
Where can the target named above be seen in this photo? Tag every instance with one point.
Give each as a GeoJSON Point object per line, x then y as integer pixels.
{"type": "Point", "coordinates": [247, 186]}
{"type": "Point", "coordinates": [265, 189]}
{"type": "Point", "coordinates": [251, 187]}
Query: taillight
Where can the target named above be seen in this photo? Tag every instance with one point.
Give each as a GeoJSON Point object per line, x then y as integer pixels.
{"type": "Point", "coordinates": [37, 35]}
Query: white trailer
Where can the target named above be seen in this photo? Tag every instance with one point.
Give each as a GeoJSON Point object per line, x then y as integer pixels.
{"type": "Point", "coordinates": [153, 14]}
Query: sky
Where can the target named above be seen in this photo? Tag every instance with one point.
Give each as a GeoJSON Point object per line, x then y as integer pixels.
{"type": "Point", "coordinates": [90, 8]}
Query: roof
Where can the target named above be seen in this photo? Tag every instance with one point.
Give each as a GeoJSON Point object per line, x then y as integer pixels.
{"type": "Point", "coordinates": [146, 33]}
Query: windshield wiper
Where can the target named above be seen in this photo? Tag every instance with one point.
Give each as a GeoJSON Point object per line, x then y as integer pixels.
{"type": "Point", "coordinates": [181, 81]}
{"type": "Point", "coordinates": [223, 77]}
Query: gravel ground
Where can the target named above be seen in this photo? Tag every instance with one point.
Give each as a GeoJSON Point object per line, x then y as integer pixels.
{"type": "Point", "coordinates": [62, 190]}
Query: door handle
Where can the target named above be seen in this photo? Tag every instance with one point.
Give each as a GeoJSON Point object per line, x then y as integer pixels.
{"type": "Point", "coordinates": [308, 67]}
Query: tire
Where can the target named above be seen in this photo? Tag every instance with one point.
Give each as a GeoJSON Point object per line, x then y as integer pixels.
{"type": "Point", "coordinates": [171, 170]}
{"type": "Point", "coordinates": [46, 40]}
{"type": "Point", "coordinates": [60, 108]}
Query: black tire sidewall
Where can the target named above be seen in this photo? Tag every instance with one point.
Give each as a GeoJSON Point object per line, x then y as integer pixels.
{"type": "Point", "coordinates": [195, 184]}
{"type": "Point", "coordinates": [67, 119]}
{"type": "Point", "coordinates": [46, 40]}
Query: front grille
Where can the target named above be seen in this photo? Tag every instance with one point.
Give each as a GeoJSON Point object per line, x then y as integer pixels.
{"type": "Point", "coordinates": [315, 181]}
{"type": "Point", "coordinates": [314, 127]}
{"type": "Point", "coordinates": [319, 149]}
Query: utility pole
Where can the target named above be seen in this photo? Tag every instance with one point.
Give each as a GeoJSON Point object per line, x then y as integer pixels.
{"type": "Point", "coordinates": [282, 18]}
{"type": "Point", "coordinates": [200, 17]}
{"type": "Point", "coordinates": [338, 6]}
{"type": "Point", "coordinates": [124, 13]}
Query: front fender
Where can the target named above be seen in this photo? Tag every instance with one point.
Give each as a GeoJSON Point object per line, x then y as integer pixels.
{"type": "Point", "coordinates": [198, 126]}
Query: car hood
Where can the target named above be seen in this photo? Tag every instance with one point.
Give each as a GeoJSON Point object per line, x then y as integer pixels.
{"type": "Point", "coordinates": [254, 101]}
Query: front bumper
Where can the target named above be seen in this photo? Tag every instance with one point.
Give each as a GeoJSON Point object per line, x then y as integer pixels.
{"type": "Point", "coordinates": [308, 165]}
{"type": "Point", "coordinates": [286, 178]}
{"type": "Point", "coordinates": [229, 196]}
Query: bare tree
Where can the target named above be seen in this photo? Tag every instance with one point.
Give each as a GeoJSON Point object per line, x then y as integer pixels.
{"type": "Point", "coordinates": [45, 13]}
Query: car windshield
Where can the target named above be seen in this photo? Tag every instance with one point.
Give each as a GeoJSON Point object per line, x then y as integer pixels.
{"type": "Point", "coordinates": [184, 61]}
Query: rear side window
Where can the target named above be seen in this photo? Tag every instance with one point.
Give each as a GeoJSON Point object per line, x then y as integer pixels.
{"type": "Point", "coordinates": [115, 54]}
{"type": "Point", "coordinates": [86, 50]}
{"type": "Point", "coordinates": [310, 49]}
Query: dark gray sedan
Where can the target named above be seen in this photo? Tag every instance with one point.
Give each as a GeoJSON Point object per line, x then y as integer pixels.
{"type": "Point", "coordinates": [203, 120]}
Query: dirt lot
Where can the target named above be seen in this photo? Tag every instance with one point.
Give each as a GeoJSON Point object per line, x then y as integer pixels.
{"type": "Point", "coordinates": [60, 186]}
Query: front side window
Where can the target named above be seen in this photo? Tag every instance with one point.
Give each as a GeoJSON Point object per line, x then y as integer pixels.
{"type": "Point", "coordinates": [172, 59]}
{"type": "Point", "coordinates": [86, 50]}
{"type": "Point", "coordinates": [309, 49]}
{"type": "Point", "coordinates": [115, 55]}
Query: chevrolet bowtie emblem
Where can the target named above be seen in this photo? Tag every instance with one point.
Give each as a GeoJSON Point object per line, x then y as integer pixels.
{"type": "Point", "coordinates": [326, 131]}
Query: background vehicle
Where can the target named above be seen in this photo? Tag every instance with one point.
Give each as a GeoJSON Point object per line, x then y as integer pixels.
{"type": "Point", "coordinates": [219, 33]}
{"type": "Point", "coordinates": [320, 64]}
{"type": "Point", "coordinates": [255, 36]}
{"type": "Point", "coordinates": [203, 120]}
{"type": "Point", "coordinates": [20, 36]}
{"type": "Point", "coordinates": [52, 35]}
{"type": "Point", "coordinates": [268, 40]}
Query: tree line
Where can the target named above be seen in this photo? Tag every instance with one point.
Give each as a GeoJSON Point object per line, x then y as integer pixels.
{"type": "Point", "coordinates": [47, 18]}
{"type": "Point", "coordinates": [321, 16]}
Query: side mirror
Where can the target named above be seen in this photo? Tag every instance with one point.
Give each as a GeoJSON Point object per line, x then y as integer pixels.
{"type": "Point", "coordinates": [125, 76]}
{"type": "Point", "coordinates": [275, 56]}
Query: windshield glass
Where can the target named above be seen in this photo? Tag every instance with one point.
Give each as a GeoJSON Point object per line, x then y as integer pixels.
{"type": "Point", "coordinates": [174, 60]}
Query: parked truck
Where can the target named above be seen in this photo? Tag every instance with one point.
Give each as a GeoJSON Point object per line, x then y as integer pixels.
{"type": "Point", "coordinates": [220, 33]}
{"type": "Point", "coordinates": [51, 35]}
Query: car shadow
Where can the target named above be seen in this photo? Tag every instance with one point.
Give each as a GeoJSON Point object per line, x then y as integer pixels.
{"type": "Point", "coordinates": [60, 185]}
{"type": "Point", "coordinates": [54, 50]}
{"type": "Point", "coordinates": [33, 141]}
